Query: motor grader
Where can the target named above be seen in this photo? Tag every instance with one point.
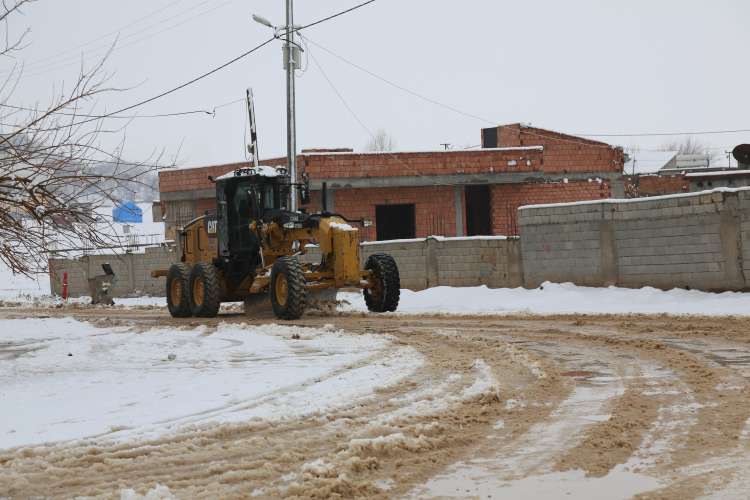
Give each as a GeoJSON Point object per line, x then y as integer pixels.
{"type": "Point", "coordinates": [252, 245]}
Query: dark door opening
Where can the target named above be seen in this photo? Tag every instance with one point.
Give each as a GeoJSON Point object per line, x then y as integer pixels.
{"type": "Point", "coordinates": [478, 217]}
{"type": "Point", "coordinates": [395, 222]}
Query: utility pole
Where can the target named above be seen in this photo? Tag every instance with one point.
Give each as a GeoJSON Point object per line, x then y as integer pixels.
{"type": "Point", "coordinates": [291, 132]}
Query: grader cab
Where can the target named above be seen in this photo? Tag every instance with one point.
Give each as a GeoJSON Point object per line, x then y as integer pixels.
{"type": "Point", "coordinates": [252, 247]}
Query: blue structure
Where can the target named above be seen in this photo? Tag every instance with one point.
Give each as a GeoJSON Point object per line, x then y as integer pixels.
{"type": "Point", "coordinates": [127, 212]}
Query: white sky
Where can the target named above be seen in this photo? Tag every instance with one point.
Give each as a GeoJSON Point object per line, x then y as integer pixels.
{"type": "Point", "coordinates": [576, 66]}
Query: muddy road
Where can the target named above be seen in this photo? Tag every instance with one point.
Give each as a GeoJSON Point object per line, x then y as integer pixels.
{"type": "Point", "coordinates": [502, 407]}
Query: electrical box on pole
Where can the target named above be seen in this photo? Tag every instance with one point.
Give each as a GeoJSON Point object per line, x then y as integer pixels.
{"type": "Point", "coordinates": [296, 56]}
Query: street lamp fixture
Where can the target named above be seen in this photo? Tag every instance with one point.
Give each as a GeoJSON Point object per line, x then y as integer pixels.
{"type": "Point", "coordinates": [262, 20]}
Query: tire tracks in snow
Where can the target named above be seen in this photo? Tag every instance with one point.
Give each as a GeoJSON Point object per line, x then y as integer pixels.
{"type": "Point", "coordinates": [656, 404]}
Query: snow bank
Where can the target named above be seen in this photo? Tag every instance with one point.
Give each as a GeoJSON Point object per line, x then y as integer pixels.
{"type": "Point", "coordinates": [565, 298]}
{"type": "Point", "coordinates": [61, 379]}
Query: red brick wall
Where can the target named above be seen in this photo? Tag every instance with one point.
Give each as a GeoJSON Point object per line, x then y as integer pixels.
{"type": "Point", "coordinates": [564, 153]}
{"type": "Point", "coordinates": [655, 185]}
{"type": "Point", "coordinates": [195, 179]}
{"type": "Point", "coordinates": [326, 166]}
{"type": "Point", "coordinates": [506, 198]}
{"type": "Point", "coordinates": [204, 205]}
{"type": "Point", "coordinates": [434, 207]}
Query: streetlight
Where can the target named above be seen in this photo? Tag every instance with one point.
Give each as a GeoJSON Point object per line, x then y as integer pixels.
{"type": "Point", "coordinates": [292, 60]}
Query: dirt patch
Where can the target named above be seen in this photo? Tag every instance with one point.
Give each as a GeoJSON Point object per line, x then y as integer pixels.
{"type": "Point", "coordinates": [613, 441]}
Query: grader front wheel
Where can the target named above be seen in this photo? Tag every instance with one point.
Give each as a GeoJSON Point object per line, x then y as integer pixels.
{"type": "Point", "coordinates": [385, 290]}
{"type": "Point", "coordinates": [205, 290]}
{"type": "Point", "coordinates": [288, 292]}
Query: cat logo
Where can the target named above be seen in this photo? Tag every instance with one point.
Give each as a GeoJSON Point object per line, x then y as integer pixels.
{"type": "Point", "coordinates": [211, 225]}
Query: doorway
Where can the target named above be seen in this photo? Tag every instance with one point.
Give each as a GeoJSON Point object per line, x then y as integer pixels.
{"type": "Point", "coordinates": [395, 222]}
{"type": "Point", "coordinates": [478, 216]}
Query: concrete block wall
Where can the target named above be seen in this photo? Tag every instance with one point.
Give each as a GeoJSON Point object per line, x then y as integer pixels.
{"type": "Point", "coordinates": [696, 241]}
{"type": "Point", "coordinates": [423, 263]}
{"type": "Point", "coordinates": [433, 261]}
{"type": "Point", "coordinates": [133, 272]}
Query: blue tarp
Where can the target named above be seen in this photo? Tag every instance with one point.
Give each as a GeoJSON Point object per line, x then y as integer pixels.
{"type": "Point", "coordinates": [127, 212]}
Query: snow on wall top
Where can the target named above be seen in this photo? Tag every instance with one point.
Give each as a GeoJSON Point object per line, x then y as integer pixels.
{"type": "Point", "coordinates": [430, 151]}
{"type": "Point", "coordinates": [637, 200]}
{"type": "Point", "coordinates": [718, 173]}
{"type": "Point", "coordinates": [437, 238]}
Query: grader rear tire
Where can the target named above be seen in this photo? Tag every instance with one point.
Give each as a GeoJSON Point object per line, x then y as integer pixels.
{"type": "Point", "coordinates": [288, 291]}
{"type": "Point", "coordinates": [178, 291]}
{"type": "Point", "coordinates": [205, 290]}
{"type": "Point", "coordinates": [386, 284]}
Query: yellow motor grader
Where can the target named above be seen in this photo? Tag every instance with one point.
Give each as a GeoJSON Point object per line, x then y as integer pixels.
{"type": "Point", "coordinates": [252, 247]}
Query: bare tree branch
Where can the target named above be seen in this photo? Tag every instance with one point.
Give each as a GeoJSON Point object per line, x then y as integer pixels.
{"type": "Point", "coordinates": [381, 141]}
{"type": "Point", "coordinates": [54, 174]}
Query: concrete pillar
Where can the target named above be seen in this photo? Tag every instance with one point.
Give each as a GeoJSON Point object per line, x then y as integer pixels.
{"type": "Point", "coordinates": [608, 251]}
{"type": "Point", "coordinates": [459, 202]}
{"type": "Point", "coordinates": [618, 188]}
{"type": "Point", "coordinates": [432, 268]}
{"type": "Point", "coordinates": [730, 232]}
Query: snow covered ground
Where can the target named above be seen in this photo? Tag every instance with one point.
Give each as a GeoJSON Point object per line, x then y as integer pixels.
{"type": "Point", "coordinates": [68, 380]}
{"type": "Point", "coordinates": [550, 298]}
{"type": "Point", "coordinates": [565, 298]}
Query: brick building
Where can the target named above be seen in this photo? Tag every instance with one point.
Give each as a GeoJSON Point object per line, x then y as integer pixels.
{"type": "Point", "coordinates": [417, 194]}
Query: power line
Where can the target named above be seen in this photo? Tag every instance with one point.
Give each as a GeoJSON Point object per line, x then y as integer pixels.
{"type": "Point", "coordinates": [662, 134]}
{"type": "Point", "coordinates": [484, 120]}
{"type": "Point", "coordinates": [367, 129]}
{"type": "Point", "coordinates": [333, 16]}
{"type": "Point", "coordinates": [74, 59]}
{"type": "Point", "coordinates": [106, 35]}
{"type": "Point", "coordinates": [341, 97]}
{"type": "Point", "coordinates": [179, 87]}
{"type": "Point", "coordinates": [128, 117]}
{"type": "Point", "coordinates": [212, 71]}
{"type": "Point", "coordinates": [400, 87]}
{"type": "Point", "coordinates": [41, 67]}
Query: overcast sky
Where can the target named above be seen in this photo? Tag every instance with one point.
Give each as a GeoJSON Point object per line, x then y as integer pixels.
{"type": "Point", "coordinates": [575, 66]}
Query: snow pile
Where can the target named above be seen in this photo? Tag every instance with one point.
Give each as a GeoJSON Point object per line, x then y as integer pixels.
{"type": "Point", "coordinates": [342, 226]}
{"type": "Point", "coordinates": [67, 380]}
{"type": "Point", "coordinates": [565, 298]}
{"type": "Point", "coordinates": [159, 492]}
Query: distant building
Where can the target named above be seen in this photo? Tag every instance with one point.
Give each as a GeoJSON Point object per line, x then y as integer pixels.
{"type": "Point", "coordinates": [667, 172]}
